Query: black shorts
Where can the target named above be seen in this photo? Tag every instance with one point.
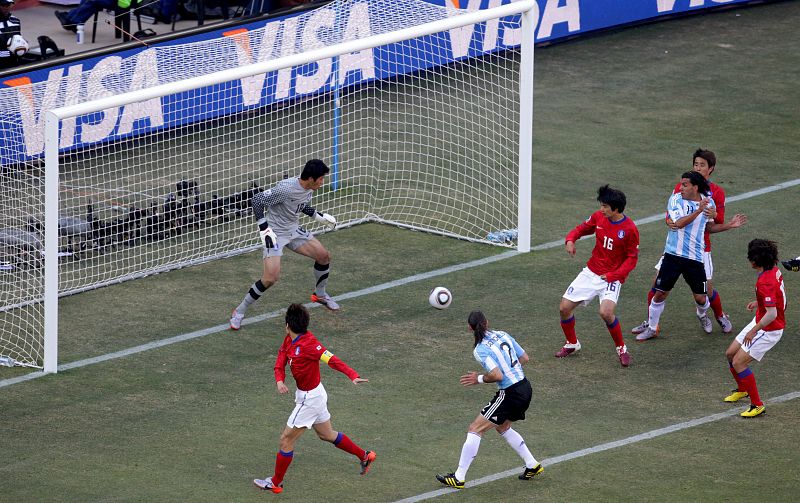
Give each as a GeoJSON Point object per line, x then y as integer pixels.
{"type": "Point", "coordinates": [672, 267]}
{"type": "Point", "coordinates": [509, 404]}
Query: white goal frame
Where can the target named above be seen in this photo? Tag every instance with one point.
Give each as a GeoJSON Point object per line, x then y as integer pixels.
{"type": "Point", "coordinates": [527, 9]}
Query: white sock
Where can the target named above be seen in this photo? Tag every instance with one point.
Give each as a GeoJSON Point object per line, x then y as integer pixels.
{"type": "Point", "coordinates": [655, 310]}
{"type": "Point", "coordinates": [517, 443]}
{"type": "Point", "coordinates": [702, 310]}
{"type": "Point", "coordinates": [468, 453]}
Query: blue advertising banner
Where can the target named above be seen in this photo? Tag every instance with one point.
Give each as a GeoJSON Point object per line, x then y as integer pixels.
{"type": "Point", "coordinates": [27, 95]}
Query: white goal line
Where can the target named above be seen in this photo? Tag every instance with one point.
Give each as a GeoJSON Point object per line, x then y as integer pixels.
{"type": "Point", "coordinates": [351, 295]}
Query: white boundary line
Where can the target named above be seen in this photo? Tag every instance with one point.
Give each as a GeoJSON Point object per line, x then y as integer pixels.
{"type": "Point", "coordinates": [599, 448]}
{"type": "Point", "coordinates": [351, 295]}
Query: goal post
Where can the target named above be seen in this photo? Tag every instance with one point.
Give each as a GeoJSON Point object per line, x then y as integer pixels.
{"type": "Point", "coordinates": [441, 142]}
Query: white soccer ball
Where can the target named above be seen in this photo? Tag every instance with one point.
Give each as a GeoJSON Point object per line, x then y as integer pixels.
{"type": "Point", "coordinates": [440, 297]}
{"type": "Point", "coordinates": [18, 45]}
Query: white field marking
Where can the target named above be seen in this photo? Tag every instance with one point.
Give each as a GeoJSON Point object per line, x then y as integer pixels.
{"type": "Point", "coordinates": [351, 295]}
{"type": "Point", "coordinates": [599, 448]}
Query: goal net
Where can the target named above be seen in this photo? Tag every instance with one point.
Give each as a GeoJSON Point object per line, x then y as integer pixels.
{"type": "Point", "coordinates": [422, 112]}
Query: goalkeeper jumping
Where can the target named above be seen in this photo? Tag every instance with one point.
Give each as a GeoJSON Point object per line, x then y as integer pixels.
{"type": "Point", "coordinates": [277, 212]}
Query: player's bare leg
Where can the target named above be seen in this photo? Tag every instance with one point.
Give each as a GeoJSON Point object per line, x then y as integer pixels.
{"type": "Point", "coordinates": [322, 260]}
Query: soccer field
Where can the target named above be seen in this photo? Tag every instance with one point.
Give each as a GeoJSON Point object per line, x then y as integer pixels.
{"type": "Point", "coordinates": [200, 418]}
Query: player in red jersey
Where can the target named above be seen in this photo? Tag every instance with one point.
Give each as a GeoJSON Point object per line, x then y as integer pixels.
{"type": "Point", "coordinates": [614, 256]}
{"type": "Point", "coordinates": [705, 162]}
{"type": "Point", "coordinates": [303, 352]}
{"type": "Point", "coordinates": [764, 331]}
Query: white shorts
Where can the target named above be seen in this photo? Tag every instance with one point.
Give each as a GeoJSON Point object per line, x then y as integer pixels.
{"type": "Point", "coordinates": [311, 408]}
{"type": "Point", "coordinates": [708, 265]}
{"type": "Point", "coordinates": [588, 285]}
{"type": "Point", "coordinates": [762, 342]}
{"type": "Point", "coordinates": [298, 237]}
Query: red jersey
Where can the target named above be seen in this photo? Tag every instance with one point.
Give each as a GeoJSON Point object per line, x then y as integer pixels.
{"type": "Point", "coordinates": [303, 353]}
{"type": "Point", "coordinates": [770, 293]}
{"type": "Point", "coordinates": [616, 248]}
{"type": "Point", "coordinates": [718, 195]}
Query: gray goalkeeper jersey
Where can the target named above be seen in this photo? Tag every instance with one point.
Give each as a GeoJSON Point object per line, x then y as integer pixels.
{"type": "Point", "coordinates": [280, 206]}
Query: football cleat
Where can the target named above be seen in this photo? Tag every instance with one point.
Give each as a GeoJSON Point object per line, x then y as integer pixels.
{"type": "Point", "coordinates": [367, 461]}
{"type": "Point", "coordinates": [638, 329]}
{"type": "Point", "coordinates": [753, 411]}
{"type": "Point", "coordinates": [735, 396]}
{"type": "Point", "coordinates": [725, 323]}
{"type": "Point", "coordinates": [792, 265]}
{"type": "Point", "coordinates": [568, 349]}
{"type": "Point", "coordinates": [529, 473]}
{"type": "Point", "coordinates": [236, 320]}
{"type": "Point", "coordinates": [326, 301]}
{"type": "Point", "coordinates": [649, 333]}
{"type": "Point", "coordinates": [267, 485]}
{"type": "Point", "coordinates": [705, 323]}
{"type": "Point", "coordinates": [450, 480]}
{"type": "Point", "coordinates": [624, 356]}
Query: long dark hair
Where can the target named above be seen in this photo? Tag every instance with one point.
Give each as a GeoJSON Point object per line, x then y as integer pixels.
{"type": "Point", "coordinates": [478, 323]}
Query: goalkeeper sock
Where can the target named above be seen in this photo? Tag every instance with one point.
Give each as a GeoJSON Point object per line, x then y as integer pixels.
{"type": "Point", "coordinates": [344, 443]}
{"type": "Point", "coordinates": [568, 326]}
{"type": "Point", "coordinates": [321, 275]}
{"type": "Point", "coordinates": [282, 462]}
{"type": "Point", "coordinates": [255, 293]}
{"type": "Point", "coordinates": [517, 443]}
{"type": "Point", "coordinates": [468, 453]}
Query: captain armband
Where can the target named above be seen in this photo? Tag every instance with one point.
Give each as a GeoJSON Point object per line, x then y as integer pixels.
{"type": "Point", "coordinates": [326, 357]}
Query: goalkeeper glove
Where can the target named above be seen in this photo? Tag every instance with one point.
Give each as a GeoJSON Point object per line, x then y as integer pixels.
{"type": "Point", "coordinates": [325, 218]}
{"type": "Point", "coordinates": [268, 237]}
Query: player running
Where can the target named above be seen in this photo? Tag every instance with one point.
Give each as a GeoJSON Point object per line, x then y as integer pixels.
{"type": "Point", "coordinates": [502, 357]}
{"type": "Point", "coordinates": [277, 212]}
{"type": "Point", "coordinates": [614, 256]}
{"type": "Point", "coordinates": [704, 162]}
{"type": "Point", "coordinates": [303, 352]}
{"type": "Point", "coordinates": [766, 329]}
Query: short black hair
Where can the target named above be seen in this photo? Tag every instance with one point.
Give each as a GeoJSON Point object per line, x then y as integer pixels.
{"type": "Point", "coordinates": [763, 253]}
{"type": "Point", "coordinates": [697, 179]}
{"type": "Point", "coordinates": [708, 155]}
{"type": "Point", "coordinates": [297, 318]}
{"type": "Point", "coordinates": [614, 198]}
{"type": "Point", "coordinates": [314, 169]}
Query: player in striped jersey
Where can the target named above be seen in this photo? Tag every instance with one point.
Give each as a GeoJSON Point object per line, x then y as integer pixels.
{"type": "Point", "coordinates": [615, 254]}
{"type": "Point", "coordinates": [502, 357]}
{"type": "Point", "coordinates": [277, 212]}
{"type": "Point", "coordinates": [683, 251]}
{"type": "Point", "coordinates": [704, 162]}
{"type": "Point", "coordinates": [303, 352]}
{"type": "Point", "coordinates": [764, 331]}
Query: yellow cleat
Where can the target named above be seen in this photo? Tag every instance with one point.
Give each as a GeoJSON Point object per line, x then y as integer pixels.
{"type": "Point", "coordinates": [735, 396]}
{"type": "Point", "coordinates": [753, 411]}
{"type": "Point", "coordinates": [450, 480]}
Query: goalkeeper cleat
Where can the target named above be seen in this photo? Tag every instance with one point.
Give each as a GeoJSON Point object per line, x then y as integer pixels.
{"type": "Point", "coordinates": [792, 265]}
{"type": "Point", "coordinates": [450, 480]}
{"type": "Point", "coordinates": [649, 333]}
{"type": "Point", "coordinates": [753, 411]}
{"type": "Point", "coordinates": [236, 320]}
{"type": "Point", "coordinates": [367, 461]}
{"type": "Point", "coordinates": [725, 323]}
{"type": "Point", "coordinates": [529, 473]}
{"type": "Point", "coordinates": [267, 485]}
{"type": "Point", "coordinates": [705, 323]}
{"type": "Point", "coordinates": [624, 356]}
{"type": "Point", "coordinates": [735, 396]}
{"type": "Point", "coordinates": [638, 329]}
{"type": "Point", "coordinates": [325, 300]}
{"type": "Point", "coordinates": [568, 349]}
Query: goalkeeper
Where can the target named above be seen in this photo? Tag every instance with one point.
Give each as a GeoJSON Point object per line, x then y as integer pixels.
{"type": "Point", "coordinates": [277, 212]}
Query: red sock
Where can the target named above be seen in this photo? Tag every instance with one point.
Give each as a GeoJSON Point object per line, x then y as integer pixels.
{"type": "Point", "coordinates": [344, 443]}
{"type": "Point", "coordinates": [739, 385]}
{"type": "Point", "coordinates": [282, 462]}
{"type": "Point", "coordinates": [615, 329]}
{"type": "Point", "coordinates": [716, 304]}
{"type": "Point", "coordinates": [650, 296]}
{"type": "Point", "coordinates": [749, 382]}
{"type": "Point", "coordinates": [568, 326]}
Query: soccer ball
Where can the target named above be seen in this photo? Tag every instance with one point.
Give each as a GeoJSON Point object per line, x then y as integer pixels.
{"type": "Point", "coordinates": [18, 45]}
{"type": "Point", "coordinates": [440, 297]}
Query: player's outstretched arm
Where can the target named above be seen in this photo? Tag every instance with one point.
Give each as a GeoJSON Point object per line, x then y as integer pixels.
{"type": "Point", "coordinates": [325, 219]}
{"type": "Point", "coordinates": [359, 380]}
{"type": "Point", "coordinates": [737, 221]}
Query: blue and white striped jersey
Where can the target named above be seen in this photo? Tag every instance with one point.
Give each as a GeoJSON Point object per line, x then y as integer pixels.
{"type": "Point", "coordinates": [499, 349]}
{"type": "Point", "coordinates": [687, 242]}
